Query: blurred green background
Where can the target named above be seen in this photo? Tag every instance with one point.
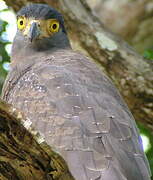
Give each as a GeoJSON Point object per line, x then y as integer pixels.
{"type": "Point", "coordinates": [7, 32]}
{"type": "Point", "coordinates": [4, 56]}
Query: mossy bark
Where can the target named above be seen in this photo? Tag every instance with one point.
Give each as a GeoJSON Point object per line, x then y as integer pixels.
{"type": "Point", "coordinates": [23, 153]}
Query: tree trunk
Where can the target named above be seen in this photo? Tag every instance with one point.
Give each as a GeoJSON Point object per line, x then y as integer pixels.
{"type": "Point", "coordinates": [132, 74]}
{"type": "Point", "coordinates": [23, 152]}
{"type": "Point", "coordinates": [135, 27]}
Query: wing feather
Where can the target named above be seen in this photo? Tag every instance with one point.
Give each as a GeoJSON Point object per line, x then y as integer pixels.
{"type": "Point", "coordinates": [82, 115]}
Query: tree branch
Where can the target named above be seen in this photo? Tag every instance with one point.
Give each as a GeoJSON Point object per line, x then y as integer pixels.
{"type": "Point", "coordinates": [135, 27]}
{"type": "Point", "coordinates": [132, 74]}
{"type": "Point", "coordinates": [23, 152]}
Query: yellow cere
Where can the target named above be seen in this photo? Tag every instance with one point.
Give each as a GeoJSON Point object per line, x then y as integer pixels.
{"type": "Point", "coordinates": [46, 27]}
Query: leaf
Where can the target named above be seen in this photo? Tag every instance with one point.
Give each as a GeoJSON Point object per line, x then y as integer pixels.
{"type": "Point", "coordinates": [148, 54]}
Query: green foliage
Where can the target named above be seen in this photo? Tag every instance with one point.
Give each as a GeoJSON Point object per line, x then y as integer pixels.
{"type": "Point", "coordinates": [4, 57]}
{"type": "Point", "coordinates": [148, 54]}
{"type": "Point", "coordinates": [149, 153]}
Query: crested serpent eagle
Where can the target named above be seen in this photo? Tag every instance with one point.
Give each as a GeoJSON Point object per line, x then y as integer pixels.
{"type": "Point", "coordinates": [71, 102]}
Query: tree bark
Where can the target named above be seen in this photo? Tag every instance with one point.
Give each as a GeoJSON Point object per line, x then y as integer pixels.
{"type": "Point", "coordinates": [23, 152]}
{"type": "Point", "coordinates": [135, 27]}
{"type": "Point", "coordinates": [132, 74]}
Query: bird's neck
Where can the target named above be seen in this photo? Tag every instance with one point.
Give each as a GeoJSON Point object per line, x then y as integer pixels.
{"type": "Point", "coordinates": [25, 53]}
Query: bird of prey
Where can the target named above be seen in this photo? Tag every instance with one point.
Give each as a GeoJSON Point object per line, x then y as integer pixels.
{"type": "Point", "coordinates": [71, 102]}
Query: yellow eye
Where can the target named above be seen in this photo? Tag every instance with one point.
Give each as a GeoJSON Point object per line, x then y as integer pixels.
{"type": "Point", "coordinates": [21, 23]}
{"type": "Point", "coordinates": [53, 26]}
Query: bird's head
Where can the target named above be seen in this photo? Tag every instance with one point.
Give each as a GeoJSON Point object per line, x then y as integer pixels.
{"type": "Point", "coordinates": [40, 27]}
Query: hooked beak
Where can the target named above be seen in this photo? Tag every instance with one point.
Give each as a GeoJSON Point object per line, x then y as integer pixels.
{"type": "Point", "coordinates": [33, 32]}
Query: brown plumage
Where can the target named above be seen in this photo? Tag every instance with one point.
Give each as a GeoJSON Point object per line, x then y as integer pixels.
{"type": "Point", "coordinates": [74, 106]}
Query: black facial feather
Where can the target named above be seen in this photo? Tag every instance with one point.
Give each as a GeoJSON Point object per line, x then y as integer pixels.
{"type": "Point", "coordinates": [42, 11]}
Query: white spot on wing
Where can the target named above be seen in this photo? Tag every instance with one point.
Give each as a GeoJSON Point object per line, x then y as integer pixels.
{"type": "Point", "coordinates": [27, 124]}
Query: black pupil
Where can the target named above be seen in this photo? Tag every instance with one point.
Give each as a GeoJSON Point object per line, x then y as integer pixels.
{"type": "Point", "coordinates": [21, 23]}
{"type": "Point", "coordinates": [54, 26]}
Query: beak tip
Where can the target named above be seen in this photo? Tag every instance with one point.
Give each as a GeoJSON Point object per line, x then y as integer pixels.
{"type": "Point", "coordinates": [33, 32]}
